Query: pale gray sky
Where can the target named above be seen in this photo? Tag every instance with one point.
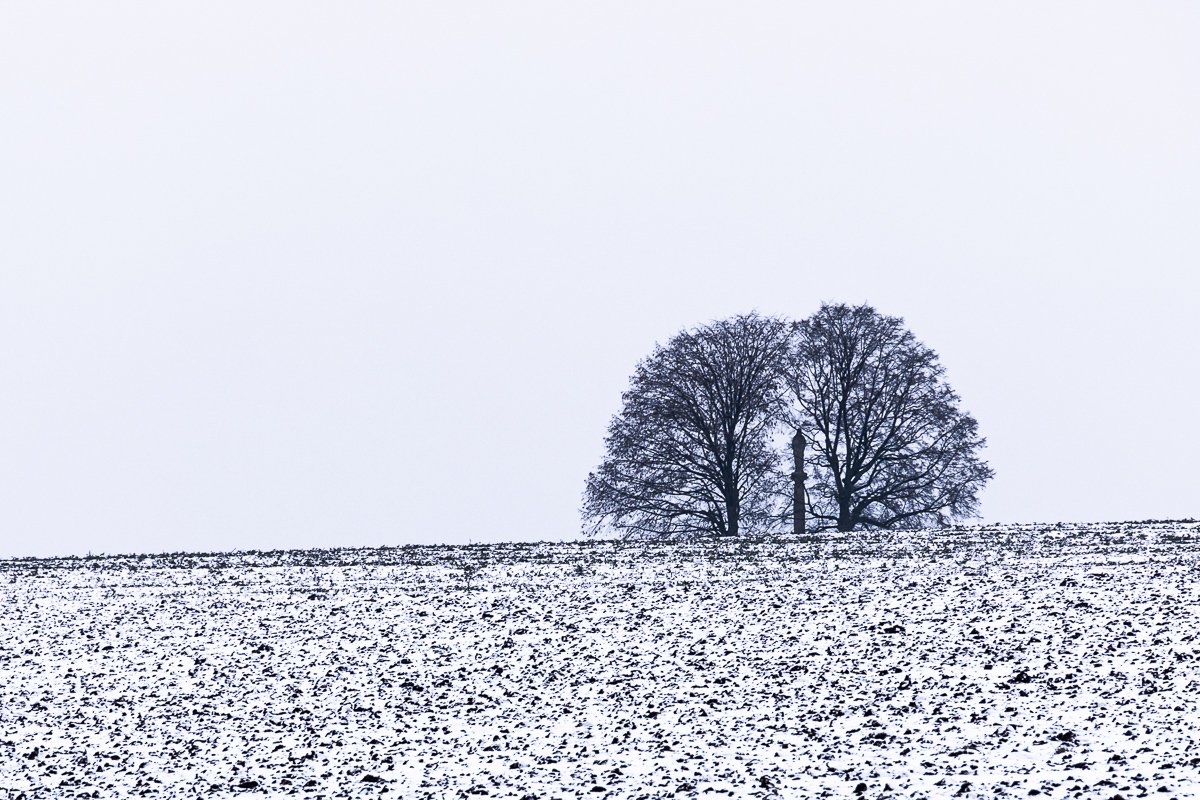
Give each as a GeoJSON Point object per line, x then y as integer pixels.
{"type": "Point", "coordinates": [280, 274]}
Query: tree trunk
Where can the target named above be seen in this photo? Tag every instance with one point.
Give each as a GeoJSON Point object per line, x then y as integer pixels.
{"type": "Point", "coordinates": [733, 510]}
{"type": "Point", "coordinates": [845, 522]}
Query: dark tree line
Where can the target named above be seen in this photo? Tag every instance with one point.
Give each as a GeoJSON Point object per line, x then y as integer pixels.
{"type": "Point", "coordinates": [699, 446]}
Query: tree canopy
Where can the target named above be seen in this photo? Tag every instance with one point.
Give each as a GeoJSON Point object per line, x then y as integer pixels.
{"type": "Point", "coordinates": [888, 445]}
{"type": "Point", "coordinates": [700, 445]}
{"type": "Point", "coordinates": [690, 451]}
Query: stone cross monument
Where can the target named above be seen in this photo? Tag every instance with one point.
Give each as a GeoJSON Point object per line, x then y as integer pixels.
{"type": "Point", "coordinates": [798, 483]}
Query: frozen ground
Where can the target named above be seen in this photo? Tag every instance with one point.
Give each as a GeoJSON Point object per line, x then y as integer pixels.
{"type": "Point", "coordinates": [1015, 661]}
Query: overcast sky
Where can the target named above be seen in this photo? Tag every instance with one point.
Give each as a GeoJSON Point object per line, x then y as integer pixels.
{"type": "Point", "coordinates": [284, 274]}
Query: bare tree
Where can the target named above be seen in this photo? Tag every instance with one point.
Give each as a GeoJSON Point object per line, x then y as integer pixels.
{"type": "Point", "coordinates": [690, 453]}
{"type": "Point", "coordinates": [889, 447]}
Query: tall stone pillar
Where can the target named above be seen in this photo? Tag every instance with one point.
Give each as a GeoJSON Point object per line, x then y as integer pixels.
{"type": "Point", "coordinates": [798, 477]}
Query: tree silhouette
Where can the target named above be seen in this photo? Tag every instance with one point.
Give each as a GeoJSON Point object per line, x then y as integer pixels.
{"type": "Point", "coordinates": [888, 445]}
{"type": "Point", "coordinates": [690, 451]}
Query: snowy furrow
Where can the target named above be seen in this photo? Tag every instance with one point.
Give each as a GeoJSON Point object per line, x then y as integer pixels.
{"type": "Point", "coordinates": [987, 661]}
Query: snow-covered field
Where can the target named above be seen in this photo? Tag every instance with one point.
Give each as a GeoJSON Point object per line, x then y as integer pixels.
{"type": "Point", "coordinates": [1060, 661]}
